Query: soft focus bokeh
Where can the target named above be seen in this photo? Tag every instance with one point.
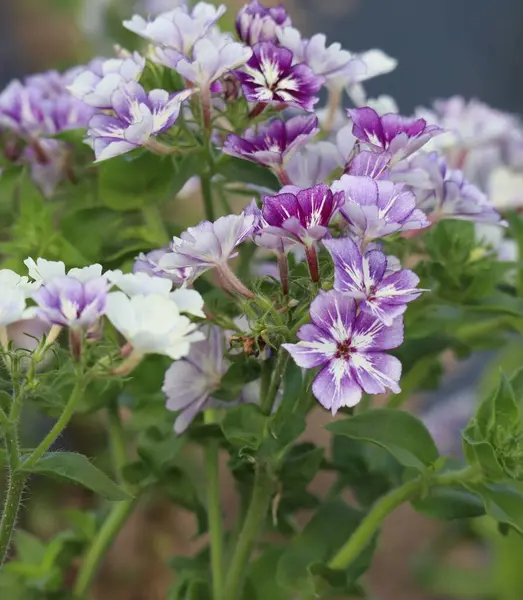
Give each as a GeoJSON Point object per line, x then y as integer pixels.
{"type": "Point", "coordinates": [444, 47]}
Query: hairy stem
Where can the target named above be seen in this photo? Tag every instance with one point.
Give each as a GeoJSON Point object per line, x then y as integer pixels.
{"type": "Point", "coordinates": [267, 401]}
{"type": "Point", "coordinates": [59, 426]}
{"type": "Point", "coordinates": [385, 505]}
{"type": "Point", "coordinates": [258, 507]}
{"type": "Point", "coordinates": [212, 472]}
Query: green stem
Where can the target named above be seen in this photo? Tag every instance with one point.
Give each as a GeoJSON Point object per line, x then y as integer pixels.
{"type": "Point", "coordinates": [385, 505]}
{"type": "Point", "coordinates": [102, 542]}
{"type": "Point", "coordinates": [117, 439]}
{"type": "Point", "coordinates": [258, 507]}
{"type": "Point", "coordinates": [59, 426]}
{"type": "Point", "coordinates": [15, 488]}
{"type": "Point", "coordinates": [267, 401]}
{"type": "Point", "coordinates": [212, 471]}
{"type": "Point", "coordinates": [16, 480]}
{"type": "Point", "coordinates": [207, 198]}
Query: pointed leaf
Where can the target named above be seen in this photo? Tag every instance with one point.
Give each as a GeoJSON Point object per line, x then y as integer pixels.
{"type": "Point", "coordinates": [399, 432]}
{"type": "Point", "coordinates": [77, 468]}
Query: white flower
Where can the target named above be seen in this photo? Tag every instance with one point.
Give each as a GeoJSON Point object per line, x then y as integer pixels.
{"type": "Point", "coordinates": [11, 280]}
{"type": "Point", "coordinates": [13, 293]}
{"type": "Point", "coordinates": [152, 324]}
{"type": "Point", "coordinates": [134, 284]}
{"type": "Point", "coordinates": [42, 271]}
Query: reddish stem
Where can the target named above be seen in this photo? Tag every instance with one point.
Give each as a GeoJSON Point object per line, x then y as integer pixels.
{"type": "Point", "coordinates": [283, 265]}
{"type": "Point", "coordinates": [257, 110]}
{"type": "Point", "coordinates": [312, 261]}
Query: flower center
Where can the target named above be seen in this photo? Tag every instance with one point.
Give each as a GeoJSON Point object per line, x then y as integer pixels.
{"type": "Point", "coordinates": [344, 350]}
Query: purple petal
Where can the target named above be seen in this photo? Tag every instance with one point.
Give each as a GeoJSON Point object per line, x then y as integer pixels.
{"type": "Point", "coordinates": [371, 335]}
{"type": "Point", "coordinates": [334, 386]}
{"type": "Point", "coordinates": [377, 372]}
{"type": "Point", "coordinates": [367, 126]}
{"type": "Point", "coordinates": [334, 313]}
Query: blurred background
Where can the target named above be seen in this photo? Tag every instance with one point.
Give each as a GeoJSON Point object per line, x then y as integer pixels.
{"type": "Point", "coordinates": [445, 47]}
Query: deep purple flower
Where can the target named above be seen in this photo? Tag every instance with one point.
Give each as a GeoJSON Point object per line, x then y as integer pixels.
{"type": "Point", "coordinates": [270, 77]}
{"type": "Point", "coordinates": [301, 218]}
{"type": "Point", "coordinates": [255, 23]}
{"type": "Point", "coordinates": [69, 302]}
{"type": "Point", "coordinates": [349, 348]}
{"type": "Point", "coordinates": [398, 135]}
{"type": "Point", "coordinates": [149, 263]}
{"type": "Point", "coordinates": [273, 143]}
{"type": "Point", "coordinates": [189, 382]}
{"type": "Point", "coordinates": [138, 116]}
{"type": "Point", "coordinates": [367, 279]}
{"type": "Point", "coordinates": [375, 209]}
{"type": "Point", "coordinates": [444, 193]}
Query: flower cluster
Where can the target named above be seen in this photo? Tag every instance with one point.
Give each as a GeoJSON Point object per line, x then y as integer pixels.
{"type": "Point", "coordinates": [32, 113]}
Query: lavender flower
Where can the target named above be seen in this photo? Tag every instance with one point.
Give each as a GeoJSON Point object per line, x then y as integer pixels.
{"type": "Point", "coordinates": [138, 116]}
{"type": "Point", "coordinates": [370, 164]}
{"type": "Point", "coordinates": [72, 303]}
{"type": "Point", "coordinates": [313, 163]}
{"type": "Point", "coordinates": [178, 29]}
{"type": "Point", "coordinates": [211, 60]}
{"type": "Point", "coordinates": [367, 278]}
{"type": "Point", "coordinates": [211, 245]}
{"type": "Point", "coordinates": [340, 68]}
{"type": "Point", "coordinates": [149, 263]}
{"type": "Point", "coordinates": [270, 77]}
{"type": "Point", "coordinates": [400, 136]}
{"type": "Point", "coordinates": [189, 383]}
{"type": "Point", "coordinates": [101, 78]}
{"type": "Point", "coordinates": [444, 193]}
{"type": "Point", "coordinates": [375, 209]}
{"type": "Point", "coordinates": [349, 348]}
{"type": "Point", "coordinates": [255, 23]}
{"type": "Point", "coordinates": [302, 218]}
{"type": "Point", "coordinates": [273, 143]}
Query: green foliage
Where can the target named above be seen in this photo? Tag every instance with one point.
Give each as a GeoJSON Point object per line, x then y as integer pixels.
{"type": "Point", "coordinates": [492, 438]}
{"type": "Point", "coordinates": [77, 469]}
{"type": "Point", "coordinates": [399, 432]}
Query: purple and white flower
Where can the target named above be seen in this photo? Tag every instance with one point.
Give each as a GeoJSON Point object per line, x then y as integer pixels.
{"type": "Point", "coordinates": [68, 302]}
{"type": "Point", "coordinates": [398, 135]}
{"type": "Point", "coordinates": [370, 164]}
{"type": "Point", "coordinates": [377, 208]}
{"type": "Point", "coordinates": [189, 382]}
{"type": "Point", "coordinates": [368, 279]}
{"type": "Point", "coordinates": [256, 23]}
{"type": "Point", "coordinates": [350, 349]}
{"type": "Point", "coordinates": [151, 324]}
{"type": "Point", "coordinates": [137, 117]}
{"type": "Point", "coordinates": [178, 30]}
{"type": "Point", "coordinates": [301, 218]}
{"type": "Point", "coordinates": [270, 78]}
{"type": "Point", "coordinates": [272, 144]}
{"type": "Point", "coordinates": [444, 193]}
{"type": "Point", "coordinates": [43, 271]}
{"type": "Point", "coordinates": [101, 78]}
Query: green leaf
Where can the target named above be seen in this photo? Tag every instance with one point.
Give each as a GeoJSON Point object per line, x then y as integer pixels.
{"type": "Point", "coordinates": [399, 432]}
{"type": "Point", "coordinates": [132, 181]}
{"type": "Point", "coordinates": [244, 426]}
{"type": "Point", "coordinates": [503, 502]}
{"type": "Point", "coordinates": [450, 503]}
{"type": "Point", "coordinates": [238, 375]}
{"type": "Point", "coordinates": [328, 530]}
{"type": "Point", "coordinates": [29, 549]}
{"type": "Point", "coordinates": [238, 170]}
{"type": "Point", "coordinates": [77, 468]}
{"type": "Point", "coordinates": [261, 576]}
